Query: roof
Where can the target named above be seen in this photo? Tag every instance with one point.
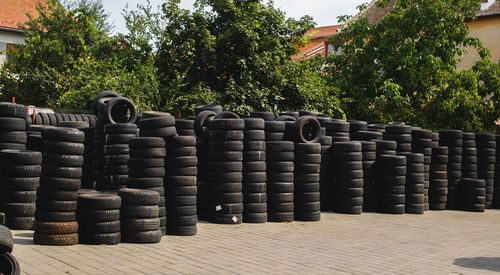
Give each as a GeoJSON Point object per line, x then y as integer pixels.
{"type": "Point", "coordinates": [373, 13]}
{"type": "Point", "coordinates": [309, 52]}
{"type": "Point", "coordinates": [322, 32]}
{"type": "Point", "coordinates": [13, 13]}
{"type": "Point", "coordinates": [494, 9]}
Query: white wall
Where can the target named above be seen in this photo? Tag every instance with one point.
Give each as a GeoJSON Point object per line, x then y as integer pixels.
{"type": "Point", "coordinates": [8, 38]}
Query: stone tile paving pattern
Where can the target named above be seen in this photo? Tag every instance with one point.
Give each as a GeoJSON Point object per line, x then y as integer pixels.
{"type": "Point", "coordinates": [439, 242]}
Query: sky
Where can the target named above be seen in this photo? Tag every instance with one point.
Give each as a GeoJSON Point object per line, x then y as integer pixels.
{"type": "Point", "coordinates": [324, 12]}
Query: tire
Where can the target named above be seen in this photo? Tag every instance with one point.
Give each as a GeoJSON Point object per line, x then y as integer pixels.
{"type": "Point", "coordinates": [182, 230]}
{"type": "Point", "coordinates": [142, 237]}
{"type": "Point", "coordinates": [117, 101]}
{"type": "Point", "coordinates": [101, 238]}
{"type": "Point", "coordinates": [96, 216]}
{"type": "Point", "coordinates": [63, 160]}
{"type": "Point", "coordinates": [254, 123]}
{"type": "Point", "coordinates": [99, 201]}
{"type": "Point", "coordinates": [56, 227]}
{"type": "Point", "coordinates": [149, 153]}
{"type": "Point", "coordinates": [56, 206]}
{"type": "Point", "coordinates": [147, 142]}
{"type": "Point", "coordinates": [12, 124]}
{"type": "Point", "coordinates": [132, 211]}
{"type": "Point", "coordinates": [139, 196]}
{"type": "Point", "coordinates": [102, 95]}
{"type": "Point", "coordinates": [6, 241]}
{"type": "Point", "coordinates": [133, 225]}
{"type": "Point", "coordinates": [201, 121]}
{"type": "Point", "coordinates": [226, 124]}
{"type": "Point", "coordinates": [45, 216]}
{"type": "Point", "coordinates": [55, 239]}
{"type": "Point", "coordinates": [63, 148]}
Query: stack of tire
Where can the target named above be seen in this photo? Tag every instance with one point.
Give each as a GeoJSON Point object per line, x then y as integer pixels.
{"type": "Point", "coordinates": [469, 156]}
{"type": "Point", "coordinates": [473, 195]}
{"type": "Point", "coordinates": [12, 126]}
{"type": "Point", "coordinates": [369, 152]}
{"type": "Point", "coordinates": [390, 184]}
{"type": "Point", "coordinates": [414, 186]}
{"type": "Point", "coordinates": [338, 130]}
{"type": "Point", "coordinates": [20, 170]}
{"type": "Point", "coordinates": [438, 184]}
{"type": "Point", "coordinates": [355, 126]}
{"type": "Point", "coordinates": [347, 187]}
{"type": "Point", "coordinates": [200, 128]}
{"type": "Point", "coordinates": [99, 218]}
{"type": "Point", "coordinates": [280, 181]}
{"type": "Point", "coordinates": [275, 130]}
{"type": "Point", "coordinates": [486, 156]}
{"type": "Point", "coordinates": [8, 263]}
{"type": "Point", "coordinates": [422, 143]}
{"type": "Point", "coordinates": [185, 127]}
{"type": "Point", "coordinates": [325, 174]}
{"type": "Point", "coordinates": [116, 156]}
{"type": "Point", "coordinates": [56, 201]}
{"type": "Point", "coordinates": [254, 171]}
{"type": "Point", "coordinates": [139, 215]}
{"type": "Point", "coordinates": [87, 178]}
{"type": "Point", "coordinates": [453, 139]}
{"type": "Point", "coordinates": [109, 108]}
{"type": "Point", "coordinates": [225, 177]}
{"type": "Point", "coordinates": [401, 134]}
{"type": "Point", "coordinates": [496, 190]}
{"type": "Point", "coordinates": [146, 169]}
{"type": "Point", "coordinates": [180, 186]}
{"type": "Point", "coordinates": [306, 168]}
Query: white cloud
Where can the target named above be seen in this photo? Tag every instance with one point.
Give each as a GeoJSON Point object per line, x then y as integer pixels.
{"type": "Point", "coordinates": [324, 12]}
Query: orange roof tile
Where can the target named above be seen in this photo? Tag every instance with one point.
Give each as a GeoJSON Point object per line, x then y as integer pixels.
{"type": "Point", "coordinates": [13, 12]}
{"type": "Point", "coordinates": [321, 32]}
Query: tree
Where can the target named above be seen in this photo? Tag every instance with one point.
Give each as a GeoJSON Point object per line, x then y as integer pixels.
{"type": "Point", "coordinates": [405, 67]}
{"type": "Point", "coordinates": [236, 53]}
{"type": "Point", "coordinates": [69, 57]}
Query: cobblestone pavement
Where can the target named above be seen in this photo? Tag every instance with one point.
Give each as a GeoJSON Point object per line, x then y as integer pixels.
{"type": "Point", "coordinates": [439, 242]}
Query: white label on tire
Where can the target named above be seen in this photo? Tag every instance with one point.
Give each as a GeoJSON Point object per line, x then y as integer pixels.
{"type": "Point", "coordinates": [218, 208]}
{"type": "Point", "coordinates": [235, 219]}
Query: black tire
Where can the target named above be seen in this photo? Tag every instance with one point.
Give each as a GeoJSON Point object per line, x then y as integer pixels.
{"type": "Point", "coordinates": [254, 124]}
{"type": "Point", "coordinates": [64, 148]}
{"type": "Point", "coordinates": [101, 238]}
{"type": "Point", "coordinates": [201, 121]}
{"type": "Point", "coordinates": [63, 160]}
{"type": "Point", "coordinates": [13, 137]}
{"type": "Point", "coordinates": [55, 239]}
{"type": "Point", "coordinates": [226, 124]}
{"type": "Point", "coordinates": [46, 216]}
{"type": "Point", "coordinates": [120, 101]}
{"type": "Point", "coordinates": [12, 124]}
{"type": "Point", "coordinates": [142, 236]}
{"type": "Point", "coordinates": [6, 240]}
{"type": "Point", "coordinates": [56, 206]}
{"type": "Point", "coordinates": [139, 196]}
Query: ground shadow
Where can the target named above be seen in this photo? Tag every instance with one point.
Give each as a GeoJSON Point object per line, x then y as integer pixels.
{"type": "Point", "coordinates": [486, 263]}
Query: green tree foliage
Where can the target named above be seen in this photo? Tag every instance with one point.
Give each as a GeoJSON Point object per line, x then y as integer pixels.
{"type": "Point", "coordinates": [69, 57]}
{"type": "Point", "coordinates": [405, 67]}
{"type": "Point", "coordinates": [236, 53]}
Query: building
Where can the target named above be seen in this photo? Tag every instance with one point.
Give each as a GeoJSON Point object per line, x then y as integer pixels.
{"type": "Point", "coordinates": [318, 42]}
{"type": "Point", "coordinates": [487, 28]}
{"type": "Point", "coordinates": [13, 13]}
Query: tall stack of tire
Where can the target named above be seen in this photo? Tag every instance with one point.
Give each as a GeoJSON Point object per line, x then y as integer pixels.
{"type": "Point", "coordinates": [20, 170]}
{"type": "Point", "coordinates": [496, 190]}
{"type": "Point", "coordinates": [180, 186]}
{"type": "Point", "coordinates": [225, 177]}
{"type": "Point", "coordinates": [385, 147]}
{"type": "Point", "coordinates": [453, 139]}
{"type": "Point", "coordinates": [469, 156]}
{"type": "Point", "coordinates": [87, 178]}
{"type": "Point", "coordinates": [146, 168]}
{"type": "Point", "coordinates": [486, 156]}
{"type": "Point", "coordinates": [34, 137]}
{"type": "Point", "coordinates": [414, 185]}
{"type": "Point", "coordinates": [338, 130]}
{"type": "Point", "coordinates": [99, 218]}
{"type": "Point", "coordinates": [401, 134]}
{"type": "Point", "coordinates": [473, 195]}
{"type": "Point", "coordinates": [109, 108]}
{"type": "Point", "coordinates": [56, 201]}
{"type": "Point", "coordinates": [325, 175]}
{"type": "Point", "coordinates": [139, 215]}
{"type": "Point", "coordinates": [203, 115]}
{"type": "Point", "coordinates": [280, 181]}
{"type": "Point", "coordinates": [254, 171]}
{"type": "Point", "coordinates": [390, 184]}
{"type": "Point", "coordinates": [347, 185]}
{"type": "Point", "coordinates": [422, 143]}
{"type": "Point", "coordinates": [12, 126]}
{"type": "Point", "coordinates": [438, 188]}
{"type": "Point", "coordinates": [185, 127]}
{"type": "Point", "coordinates": [307, 164]}
{"type": "Point", "coordinates": [369, 152]}
{"type": "Point", "coordinates": [115, 156]}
